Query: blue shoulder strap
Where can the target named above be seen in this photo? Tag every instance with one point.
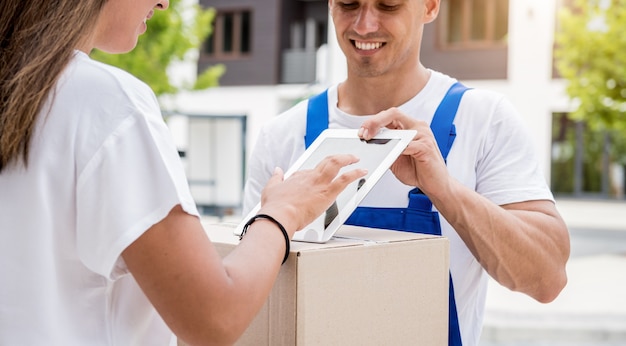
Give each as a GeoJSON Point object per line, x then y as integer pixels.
{"type": "Point", "coordinates": [316, 117]}
{"type": "Point", "coordinates": [442, 124]}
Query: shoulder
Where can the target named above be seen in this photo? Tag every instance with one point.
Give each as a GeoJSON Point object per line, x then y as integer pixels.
{"type": "Point", "coordinates": [281, 139]}
{"type": "Point", "coordinates": [486, 119]}
{"type": "Point", "coordinates": [473, 97]}
{"type": "Point", "coordinates": [486, 105]}
{"type": "Point", "coordinates": [108, 74]}
{"type": "Point", "coordinates": [290, 123]}
{"type": "Point", "coordinates": [94, 83]}
{"type": "Point", "coordinates": [97, 105]}
{"type": "Point", "coordinates": [287, 129]}
{"type": "Point", "coordinates": [100, 98]}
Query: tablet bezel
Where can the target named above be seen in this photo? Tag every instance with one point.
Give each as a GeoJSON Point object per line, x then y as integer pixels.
{"type": "Point", "coordinates": [314, 232]}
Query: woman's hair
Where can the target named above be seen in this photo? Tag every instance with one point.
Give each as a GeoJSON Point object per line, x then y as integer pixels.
{"type": "Point", "coordinates": [37, 40]}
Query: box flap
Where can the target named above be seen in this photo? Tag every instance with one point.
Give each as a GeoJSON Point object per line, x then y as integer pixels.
{"type": "Point", "coordinates": [346, 236]}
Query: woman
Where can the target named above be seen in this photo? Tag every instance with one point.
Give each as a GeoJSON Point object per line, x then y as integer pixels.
{"type": "Point", "coordinates": [100, 240]}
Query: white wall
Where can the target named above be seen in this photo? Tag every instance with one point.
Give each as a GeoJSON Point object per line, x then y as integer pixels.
{"type": "Point", "coordinates": [531, 36]}
{"type": "Point", "coordinates": [258, 103]}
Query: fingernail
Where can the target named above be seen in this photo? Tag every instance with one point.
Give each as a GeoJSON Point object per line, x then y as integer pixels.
{"type": "Point", "coordinates": [360, 133]}
{"type": "Point", "coordinates": [366, 133]}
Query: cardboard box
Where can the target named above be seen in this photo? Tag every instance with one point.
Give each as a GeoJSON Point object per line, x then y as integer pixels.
{"type": "Point", "coordinates": [363, 287]}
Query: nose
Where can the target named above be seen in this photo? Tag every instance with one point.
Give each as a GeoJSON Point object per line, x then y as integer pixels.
{"type": "Point", "coordinates": [163, 5]}
{"type": "Point", "coordinates": [366, 21]}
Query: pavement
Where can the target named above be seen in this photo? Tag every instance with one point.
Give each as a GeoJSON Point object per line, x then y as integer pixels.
{"type": "Point", "coordinates": [591, 309]}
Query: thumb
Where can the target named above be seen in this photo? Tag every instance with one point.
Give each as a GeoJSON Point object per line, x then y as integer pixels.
{"type": "Point", "coordinates": [277, 177]}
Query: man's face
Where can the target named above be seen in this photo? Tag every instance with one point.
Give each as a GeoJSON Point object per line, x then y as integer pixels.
{"type": "Point", "coordinates": [381, 37]}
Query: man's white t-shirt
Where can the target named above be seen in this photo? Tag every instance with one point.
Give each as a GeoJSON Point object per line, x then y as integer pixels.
{"type": "Point", "coordinates": [102, 170]}
{"type": "Point", "coordinates": [492, 154]}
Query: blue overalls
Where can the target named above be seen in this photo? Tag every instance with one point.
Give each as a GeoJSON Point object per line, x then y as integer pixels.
{"type": "Point", "coordinates": [418, 217]}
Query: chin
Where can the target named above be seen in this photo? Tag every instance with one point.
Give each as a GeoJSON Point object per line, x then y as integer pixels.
{"type": "Point", "coordinates": [119, 49]}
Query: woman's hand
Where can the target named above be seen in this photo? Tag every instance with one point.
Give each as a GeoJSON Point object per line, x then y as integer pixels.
{"type": "Point", "coordinates": [300, 199]}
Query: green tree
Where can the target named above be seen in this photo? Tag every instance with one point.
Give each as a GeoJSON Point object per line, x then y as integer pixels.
{"type": "Point", "coordinates": [591, 55]}
{"type": "Point", "coordinates": [170, 36]}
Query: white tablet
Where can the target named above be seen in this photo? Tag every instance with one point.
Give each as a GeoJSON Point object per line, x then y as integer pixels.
{"type": "Point", "coordinates": [376, 155]}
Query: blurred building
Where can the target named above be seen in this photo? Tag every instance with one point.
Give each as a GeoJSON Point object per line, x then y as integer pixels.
{"type": "Point", "coordinates": [277, 52]}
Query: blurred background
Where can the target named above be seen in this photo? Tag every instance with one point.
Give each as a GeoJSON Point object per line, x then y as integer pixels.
{"type": "Point", "coordinates": [222, 68]}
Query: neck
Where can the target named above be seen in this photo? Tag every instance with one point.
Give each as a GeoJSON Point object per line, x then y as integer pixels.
{"type": "Point", "coordinates": [359, 95]}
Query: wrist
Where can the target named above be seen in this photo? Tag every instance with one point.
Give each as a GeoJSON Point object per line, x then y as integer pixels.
{"type": "Point", "coordinates": [287, 215]}
{"type": "Point", "coordinates": [277, 224]}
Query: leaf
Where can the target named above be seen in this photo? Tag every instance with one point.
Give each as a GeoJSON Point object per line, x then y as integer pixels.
{"type": "Point", "coordinates": [590, 54]}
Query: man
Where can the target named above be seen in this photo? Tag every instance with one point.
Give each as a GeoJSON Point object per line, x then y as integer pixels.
{"type": "Point", "coordinates": [481, 174]}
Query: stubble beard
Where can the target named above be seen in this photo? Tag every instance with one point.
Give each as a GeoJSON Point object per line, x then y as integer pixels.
{"type": "Point", "coordinates": [366, 68]}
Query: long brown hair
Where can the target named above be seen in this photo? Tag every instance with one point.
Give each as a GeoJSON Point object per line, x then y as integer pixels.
{"type": "Point", "coordinates": [37, 40]}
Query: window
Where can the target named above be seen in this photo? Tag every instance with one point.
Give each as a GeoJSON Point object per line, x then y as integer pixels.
{"type": "Point", "coordinates": [231, 35]}
{"type": "Point", "coordinates": [474, 23]}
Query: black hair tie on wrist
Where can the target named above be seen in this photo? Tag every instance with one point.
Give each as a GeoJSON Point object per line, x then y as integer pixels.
{"type": "Point", "coordinates": [282, 229]}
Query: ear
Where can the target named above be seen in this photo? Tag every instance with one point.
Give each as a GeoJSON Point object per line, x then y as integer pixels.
{"type": "Point", "coordinates": [431, 10]}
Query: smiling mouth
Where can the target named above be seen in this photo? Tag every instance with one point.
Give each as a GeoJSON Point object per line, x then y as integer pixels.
{"type": "Point", "coordinates": [367, 45]}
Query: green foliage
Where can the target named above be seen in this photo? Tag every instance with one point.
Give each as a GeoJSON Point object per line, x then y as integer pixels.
{"type": "Point", "coordinates": [210, 77]}
{"type": "Point", "coordinates": [170, 36]}
{"type": "Point", "coordinates": [564, 147]}
{"type": "Point", "coordinates": [591, 56]}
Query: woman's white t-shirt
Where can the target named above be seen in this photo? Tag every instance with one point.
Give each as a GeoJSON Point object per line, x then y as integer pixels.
{"type": "Point", "coordinates": [492, 154]}
{"type": "Point", "coordinates": [102, 170]}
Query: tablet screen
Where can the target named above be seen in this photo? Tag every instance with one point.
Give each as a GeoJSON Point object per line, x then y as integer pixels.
{"type": "Point", "coordinates": [370, 154]}
{"type": "Point", "coordinates": [375, 155]}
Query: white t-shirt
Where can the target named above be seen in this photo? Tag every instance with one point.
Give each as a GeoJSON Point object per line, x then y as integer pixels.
{"type": "Point", "coordinates": [102, 170]}
{"type": "Point", "coordinates": [492, 154]}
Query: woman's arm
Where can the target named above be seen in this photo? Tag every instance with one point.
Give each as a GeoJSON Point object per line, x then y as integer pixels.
{"type": "Point", "coordinates": [208, 300]}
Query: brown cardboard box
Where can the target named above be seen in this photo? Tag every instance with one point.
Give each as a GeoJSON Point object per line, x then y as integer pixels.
{"type": "Point", "coordinates": [363, 287]}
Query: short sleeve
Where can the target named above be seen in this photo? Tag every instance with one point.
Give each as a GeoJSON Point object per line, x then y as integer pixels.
{"type": "Point", "coordinates": [508, 170]}
{"type": "Point", "coordinates": [132, 182]}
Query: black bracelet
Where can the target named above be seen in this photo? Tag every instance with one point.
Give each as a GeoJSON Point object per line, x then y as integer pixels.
{"type": "Point", "coordinates": [282, 229]}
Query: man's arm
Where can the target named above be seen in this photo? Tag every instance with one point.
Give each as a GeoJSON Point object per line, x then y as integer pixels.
{"type": "Point", "coordinates": [524, 246]}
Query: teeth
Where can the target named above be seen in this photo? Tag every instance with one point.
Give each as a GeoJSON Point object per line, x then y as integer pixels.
{"type": "Point", "coordinates": [367, 45]}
